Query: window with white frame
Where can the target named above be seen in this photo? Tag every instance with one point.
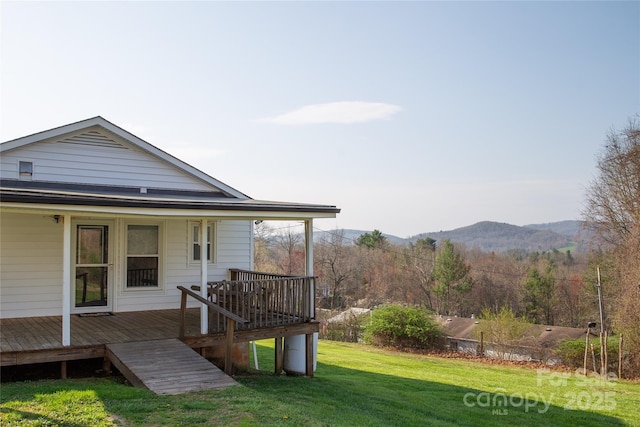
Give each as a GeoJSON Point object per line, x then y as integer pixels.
{"type": "Point", "coordinates": [143, 256]}
{"type": "Point", "coordinates": [195, 247]}
{"type": "Point", "coordinates": [25, 170]}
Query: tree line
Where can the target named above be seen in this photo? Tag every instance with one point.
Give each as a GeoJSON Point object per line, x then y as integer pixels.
{"type": "Point", "coordinates": [553, 287]}
{"type": "Point", "coordinates": [447, 278]}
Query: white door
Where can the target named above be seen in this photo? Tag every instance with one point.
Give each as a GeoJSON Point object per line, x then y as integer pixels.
{"type": "Point", "coordinates": [92, 267]}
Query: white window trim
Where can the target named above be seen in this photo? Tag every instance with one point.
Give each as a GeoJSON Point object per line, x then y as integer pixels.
{"type": "Point", "coordinates": [190, 242]}
{"type": "Point", "coordinates": [26, 177]}
{"type": "Point", "coordinates": [161, 257]}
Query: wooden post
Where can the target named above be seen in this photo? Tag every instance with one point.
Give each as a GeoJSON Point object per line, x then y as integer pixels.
{"type": "Point", "coordinates": [309, 355]}
{"type": "Point", "coordinates": [279, 363]}
{"type": "Point", "coordinates": [228, 357]}
{"type": "Point", "coordinates": [63, 370]}
{"type": "Point", "coordinates": [605, 366]}
{"type": "Point", "coordinates": [106, 364]}
{"type": "Point", "coordinates": [183, 312]}
{"type": "Point", "coordinates": [603, 349]}
{"type": "Point", "coordinates": [620, 358]}
{"type": "Point", "coordinates": [586, 351]}
{"type": "Point", "coordinates": [481, 343]}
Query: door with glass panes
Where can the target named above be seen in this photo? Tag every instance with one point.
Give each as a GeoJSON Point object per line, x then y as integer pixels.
{"type": "Point", "coordinates": [92, 267]}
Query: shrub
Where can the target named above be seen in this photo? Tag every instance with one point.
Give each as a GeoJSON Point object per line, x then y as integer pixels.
{"type": "Point", "coordinates": [572, 353]}
{"type": "Point", "coordinates": [504, 330]}
{"type": "Point", "coordinates": [403, 327]}
{"type": "Point", "coordinates": [349, 330]}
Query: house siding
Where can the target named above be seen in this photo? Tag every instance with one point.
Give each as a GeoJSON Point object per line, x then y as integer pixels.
{"type": "Point", "coordinates": [31, 268]}
{"type": "Point", "coordinates": [94, 157]}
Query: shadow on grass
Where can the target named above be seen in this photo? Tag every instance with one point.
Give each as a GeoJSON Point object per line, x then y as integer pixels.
{"type": "Point", "coordinates": [343, 396]}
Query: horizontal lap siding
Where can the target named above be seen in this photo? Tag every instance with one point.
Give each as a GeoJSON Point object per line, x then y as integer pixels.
{"type": "Point", "coordinates": [94, 158]}
{"type": "Point", "coordinates": [233, 250]}
{"type": "Point", "coordinates": [31, 265]}
{"type": "Point", "coordinates": [234, 245]}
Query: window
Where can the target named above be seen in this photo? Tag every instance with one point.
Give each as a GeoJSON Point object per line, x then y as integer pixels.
{"type": "Point", "coordinates": [25, 170]}
{"type": "Point", "coordinates": [196, 244]}
{"type": "Point", "coordinates": [143, 256]}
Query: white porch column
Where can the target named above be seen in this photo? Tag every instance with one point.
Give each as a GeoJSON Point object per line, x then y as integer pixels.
{"type": "Point", "coordinates": [295, 346]}
{"type": "Point", "coordinates": [204, 315]}
{"type": "Point", "coordinates": [66, 280]}
{"type": "Point", "coordinates": [308, 235]}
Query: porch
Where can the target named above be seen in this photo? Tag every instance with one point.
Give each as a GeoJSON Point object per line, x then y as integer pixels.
{"type": "Point", "coordinates": [252, 307]}
{"type": "Point", "coordinates": [38, 339]}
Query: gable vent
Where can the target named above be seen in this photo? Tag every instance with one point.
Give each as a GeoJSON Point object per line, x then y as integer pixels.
{"type": "Point", "coordinates": [94, 139]}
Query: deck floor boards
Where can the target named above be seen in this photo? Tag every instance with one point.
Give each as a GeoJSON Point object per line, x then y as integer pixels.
{"type": "Point", "coordinates": [44, 333]}
{"type": "Point", "coordinates": [166, 366]}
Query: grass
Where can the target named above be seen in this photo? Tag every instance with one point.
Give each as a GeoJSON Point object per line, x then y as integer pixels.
{"type": "Point", "coordinates": [355, 385]}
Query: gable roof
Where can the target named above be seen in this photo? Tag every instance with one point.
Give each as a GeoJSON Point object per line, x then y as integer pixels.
{"type": "Point", "coordinates": [215, 197]}
{"type": "Point", "coordinates": [129, 137]}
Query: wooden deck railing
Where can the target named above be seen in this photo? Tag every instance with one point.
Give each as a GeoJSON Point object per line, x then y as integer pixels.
{"type": "Point", "coordinates": [238, 274]}
{"type": "Point", "coordinates": [263, 299]}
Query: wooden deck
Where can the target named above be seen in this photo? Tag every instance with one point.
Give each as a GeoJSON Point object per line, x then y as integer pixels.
{"type": "Point", "coordinates": [39, 339]}
{"type": "Point", "coordinates": [166, 366]}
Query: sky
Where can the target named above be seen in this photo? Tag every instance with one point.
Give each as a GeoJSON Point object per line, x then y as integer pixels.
{"type": "Point", "coordinates": [408, 116]}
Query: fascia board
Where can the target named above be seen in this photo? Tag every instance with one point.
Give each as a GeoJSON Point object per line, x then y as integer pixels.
{"type": "Point", "coordinates": [162, 212]}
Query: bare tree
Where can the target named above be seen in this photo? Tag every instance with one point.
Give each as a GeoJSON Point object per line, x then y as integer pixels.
{"type": "Point", "coordinates": [289, 243]}
{"type": "Point", "coordinates": [613, 212]}
{"type": "Point", "coordinates": [336, 266]}
{"type": "Point", "coordinates": [261, 253]}
{"type": "Point", "coordinates": [419, 261]}
{"type": "Point", "coordinates": [613, 198]}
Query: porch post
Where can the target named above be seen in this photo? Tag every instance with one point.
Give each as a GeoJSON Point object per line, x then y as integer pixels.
{"type": "Point", "coordinates": [66, 280]}
{"type": "Point", "coordinates": [299, 350]}
{"type": "Point", "coordinates": [308, 237]}
{"type": "Point", "coordinates": [204, 314]}
{"type": "Point", "coordinates": [311, 340]}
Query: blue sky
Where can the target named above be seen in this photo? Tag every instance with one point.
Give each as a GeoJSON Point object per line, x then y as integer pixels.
{"type": "Point", "coordinates": [409, 116]}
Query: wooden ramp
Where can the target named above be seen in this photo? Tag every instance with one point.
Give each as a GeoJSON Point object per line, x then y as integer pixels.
{"type": "Point", "coordinates": [166, 366]}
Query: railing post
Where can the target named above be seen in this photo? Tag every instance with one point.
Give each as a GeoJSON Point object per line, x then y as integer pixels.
{"type": "Point", "coordinates": [228, 363]}
{"type": "Point", "coordinates": [309, 356]}
{"type": "Point", "coordinates": [279, 356]}
{"type": "Point", "coordinates": [183, 311]}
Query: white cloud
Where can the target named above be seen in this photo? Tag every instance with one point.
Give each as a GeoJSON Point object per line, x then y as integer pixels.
{"type": "Point", "coordinates": [335, 112]}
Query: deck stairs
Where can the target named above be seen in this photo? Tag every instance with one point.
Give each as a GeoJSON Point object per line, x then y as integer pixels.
{"type": "Point", "coordinates": [166, 366]}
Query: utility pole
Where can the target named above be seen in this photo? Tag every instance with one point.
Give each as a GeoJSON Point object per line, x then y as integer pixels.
{"type": "Point", "coordinates": [603, 343]}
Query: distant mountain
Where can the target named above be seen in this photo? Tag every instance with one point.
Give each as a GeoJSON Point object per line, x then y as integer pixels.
{"type": "Point", "coordinates": [494, 236]}
{"type": "Point", "coordinates": [351, 235]}
{"type": "Point", "coordinates": [566, 228]}
{"type": "Point", "coordinates": [500, 237]}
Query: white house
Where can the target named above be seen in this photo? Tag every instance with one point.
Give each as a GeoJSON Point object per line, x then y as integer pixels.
{"type": "Point", "coordinates": [95, 220]}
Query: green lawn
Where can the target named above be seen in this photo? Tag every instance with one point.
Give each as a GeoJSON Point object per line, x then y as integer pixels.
{"type": "Point", "coordinates": [354, 385]}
